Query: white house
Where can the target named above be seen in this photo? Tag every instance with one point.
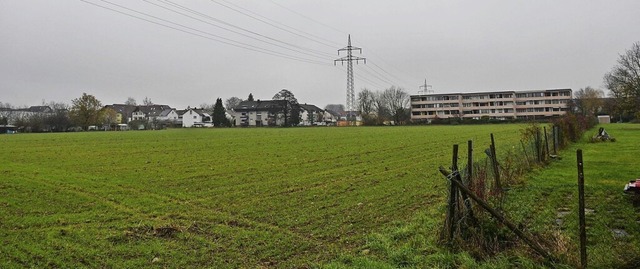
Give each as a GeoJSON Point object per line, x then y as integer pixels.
{"type": "Point", "coordinates": [149, 113]}
{"type": "Point", "coordinates": [196, 118]}
{"type": "Point", "coordinates": [311, 115]}
{"type": "Point", "coordinates": [330, 117]}
{"type": "Point", "coordinates": [169, 115]}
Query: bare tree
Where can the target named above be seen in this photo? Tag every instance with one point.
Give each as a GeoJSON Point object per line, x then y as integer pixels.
{"type": "Point", "coordinates": [589, 100]}
{"type": "Point", "coordinates": [366, 105]}
{"type": "Point", "coordinates": [380, 107]}
{"type": "Point", "coordinates": [147, 101]}
{"type": "Point", "coordinates": [624, 81]}
{"type": "Point", "coordinates": [5, 105]}
{"type": "Point", "coordinates": [131, 102]}
{"type": "Point", "coordinates": [397, 103]}
{"type": "Point", "coordinates": [207, 107]}
{"type": "Point", "coordinates": [232, 102]}
{"type": "Point", "coordinates": [58, 106]}
{"type": "Point", "coordinates": [338, 108]}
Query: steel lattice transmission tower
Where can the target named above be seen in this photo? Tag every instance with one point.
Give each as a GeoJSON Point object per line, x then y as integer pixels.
{"type": "Point", "coordinates": [351, 97]}
{"type": "Point", "coordinates": [425, 88]}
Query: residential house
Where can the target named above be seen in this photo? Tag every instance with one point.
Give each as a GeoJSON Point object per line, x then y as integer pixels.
{"type": "Point", "coordinates": [259, 113]}
{"type": "Point", "coordinates": [331, 117]}
{"type": "Point", "coordinates": [123, 112]}
{"type": "Point", "coordinates": [170, 116]}
{"type": "Point", "coordinates": [311, 115]}
{"type": "Point", "coordinates": [149, 113]}
{"type": "Point", "coordinates": [192, 117]}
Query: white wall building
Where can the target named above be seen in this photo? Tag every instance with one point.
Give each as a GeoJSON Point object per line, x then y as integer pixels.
{"type": "Point", "coordinates": [499, 105]}
{"type": "Point", "coordinates": [196, 118]}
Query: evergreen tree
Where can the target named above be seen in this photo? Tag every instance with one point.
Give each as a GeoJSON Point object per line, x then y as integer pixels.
{"type": "Point", "coordinates": [250, 97]}
{"type": "Point", "coordinates": [219, 117]}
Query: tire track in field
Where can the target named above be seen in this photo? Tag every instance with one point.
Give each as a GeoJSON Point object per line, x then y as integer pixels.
{"type": "Point", "coordinates": [234, 188]}
{"type": "Point", "coordinates": [133, 212]}
{"type": "Point", "coordinates": [323, 185]}
{"type": "Point", "coordinates": [311, 174]}
{"type": "Point", "coordinates": [406, 160]}
{"type": "Point", "coordinates": [344, 167]}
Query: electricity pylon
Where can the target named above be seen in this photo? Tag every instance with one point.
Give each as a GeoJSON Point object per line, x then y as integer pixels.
{"type": "Point", "coordinates": [425, 88]}
{"type": "Point", "coordinates": [351, 97]}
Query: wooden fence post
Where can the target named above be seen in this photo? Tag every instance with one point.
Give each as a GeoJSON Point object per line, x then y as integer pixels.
{"type": "Point", "coordinates": [583, 232]}
{"type": "Point", "coordinates": [555, 140]}
{"type": "Point", "coordinates": [526, 156]}
{"type": "Point", "coordinates": [469, 162]}
{"type": "Point", "coordinates": [453, 195]}
{"type": "Point", "coordinates": [546, 143]}
{"type": "Point", "coordinates": [538, 142]}
{"type": "Point", "coordinates": [502, 219]}
{"type": "Point", "coordinates": [494, 160]}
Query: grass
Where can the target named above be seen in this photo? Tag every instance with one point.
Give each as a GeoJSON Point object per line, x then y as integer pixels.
{"type": "Point", "coordinates": [218, 197]}
{"type": "Point", "coordinates": [545, 204]}
{"type": "Point", "coordinates": [608, 166]}
{"type": "Point", "coordinates": [288, 198]}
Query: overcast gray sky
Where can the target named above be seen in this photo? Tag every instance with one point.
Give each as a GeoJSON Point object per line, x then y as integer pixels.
{"type": "Point", "coordinates": [56, 50]}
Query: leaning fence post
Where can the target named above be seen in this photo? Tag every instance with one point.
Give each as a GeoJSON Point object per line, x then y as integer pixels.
{"type": "Point", "coordinates": [583, 232]}
{"type": "Point", "coordinates": [494, 160]}
{"type": "Point", "coordinates": [502, 219]}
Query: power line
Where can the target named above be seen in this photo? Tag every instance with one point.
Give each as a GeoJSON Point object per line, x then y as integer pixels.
{"type": "Point", "coordinates": [380, 76]}
{"type": "Point", "coordinates": [363, 78]}
{"type": "Point", "coordinates": [277, 22]}
{"type": "Point", "coordinates": [269, 23]}
{"type": "Point", "coordinates": [336, 29]}
{"type": "Point", "coordinates": [210, 36]}
{"type": "Point", "coordinates": [383, 61]}
{"type": "Point", "coordinates": [323, 56]}
{"type": "Point", "coordinates": [393, 79]}
{"type": "Point", "coordinates": [308, 18]}
{"type": "Point", "coordinates": [385, 71]}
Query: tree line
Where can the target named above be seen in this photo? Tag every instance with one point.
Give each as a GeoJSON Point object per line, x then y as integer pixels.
{"type": "Point", "coordinates": [379, 107]}
{"type": "Point", "coordinates": [87, 110]}
{"type": "Point", "coordinates": [623, 84]}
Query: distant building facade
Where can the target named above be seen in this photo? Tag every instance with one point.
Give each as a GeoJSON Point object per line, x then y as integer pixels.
{"type": "Point", "coordinates": [123, 112]}
{"type": "Point", "coordinates": [14, 115]}
{"type": "Point", "coordinates": [500, 105]}
{"type": "Point", "coordinates": [259, 113]}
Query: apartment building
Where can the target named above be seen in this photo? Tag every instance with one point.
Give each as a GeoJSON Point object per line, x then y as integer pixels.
{"type": "Point", "coordinates": [501, 105]}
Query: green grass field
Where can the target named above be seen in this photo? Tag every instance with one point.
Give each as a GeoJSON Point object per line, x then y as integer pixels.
{"type": "Point", "coordinates": [607, 168]}
{"type": "Point", "coordinates": [268, 197]}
